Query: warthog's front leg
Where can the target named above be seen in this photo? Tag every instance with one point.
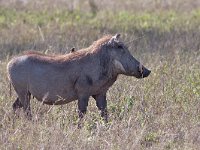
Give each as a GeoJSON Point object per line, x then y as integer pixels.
{"type": "Point", "coordinates": [101, 103]}
{"type": "Point", "coordinates": [82, 108]}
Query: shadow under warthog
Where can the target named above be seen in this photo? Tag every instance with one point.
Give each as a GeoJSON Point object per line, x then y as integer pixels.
{"type": "Point", "coordinates": [56, 80]}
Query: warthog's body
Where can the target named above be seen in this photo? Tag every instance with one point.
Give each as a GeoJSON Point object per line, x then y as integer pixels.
{"type": "Point", "coordinates": [78, 75]}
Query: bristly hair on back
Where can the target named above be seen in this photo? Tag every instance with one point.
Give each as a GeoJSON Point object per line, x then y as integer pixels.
{"type": "Point", "coordinates": [94, 48]}
{"type": "Point", "coordinates": [96, 45]}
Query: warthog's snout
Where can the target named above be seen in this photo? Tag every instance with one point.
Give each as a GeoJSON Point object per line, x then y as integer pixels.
{"type": "Point", "coordinates": [146, 73]}
{"type": "Point", "coordinates": [143, 72]}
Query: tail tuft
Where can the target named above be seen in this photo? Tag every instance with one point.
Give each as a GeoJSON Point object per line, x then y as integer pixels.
{"type": "Point", "coordinates": [10, 90]}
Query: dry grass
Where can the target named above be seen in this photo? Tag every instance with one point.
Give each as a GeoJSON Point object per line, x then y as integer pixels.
{"type": "Point", "coordinates": [159, 112]}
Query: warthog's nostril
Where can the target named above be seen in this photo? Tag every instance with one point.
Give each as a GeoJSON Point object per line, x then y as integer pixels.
{"type": "Point", "coordinates": [146, 73]}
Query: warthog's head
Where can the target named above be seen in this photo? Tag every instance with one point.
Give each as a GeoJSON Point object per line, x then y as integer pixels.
{"type": "Point", "coordinates": [123, 61]}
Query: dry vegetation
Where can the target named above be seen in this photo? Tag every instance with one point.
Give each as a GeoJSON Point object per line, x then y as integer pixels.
{"type": "Point", "coordinates": [160, 112]}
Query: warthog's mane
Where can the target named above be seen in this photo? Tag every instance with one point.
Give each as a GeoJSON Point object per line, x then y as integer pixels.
{"type": "Point", "coordinates": [97, 45]}
{"type": "Point", "coordinates": [92, 49]}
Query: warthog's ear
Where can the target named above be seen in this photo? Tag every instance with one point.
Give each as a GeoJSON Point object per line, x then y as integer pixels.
{"type": "Point", "coordinates": [114, 39]}
{"type": "Point", "coordinates": [117, 36]}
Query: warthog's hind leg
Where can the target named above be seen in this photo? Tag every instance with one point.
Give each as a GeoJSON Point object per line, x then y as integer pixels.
{"type": "Point", "coordinates": [16, 105]}
{"type": "Point", "coordinates": [24, 101]}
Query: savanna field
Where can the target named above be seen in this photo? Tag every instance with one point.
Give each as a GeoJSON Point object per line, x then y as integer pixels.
{"type": "Point", "coordinates": [160, 112]}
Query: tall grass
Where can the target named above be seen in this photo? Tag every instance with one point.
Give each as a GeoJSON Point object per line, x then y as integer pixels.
{"type": "Point", "coordinates": [158, 112]}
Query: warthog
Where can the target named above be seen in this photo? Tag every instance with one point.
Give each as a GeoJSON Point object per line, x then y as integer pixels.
{"type": "Point", "coordinates": [57, 80]}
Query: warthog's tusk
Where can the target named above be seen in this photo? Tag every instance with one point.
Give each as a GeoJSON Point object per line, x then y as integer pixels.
{"type": "Point", "coordinates": [141, 68]}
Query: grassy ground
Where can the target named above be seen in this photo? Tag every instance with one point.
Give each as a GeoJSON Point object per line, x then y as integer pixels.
{"type": "Point", "coordinates": [159, 112]}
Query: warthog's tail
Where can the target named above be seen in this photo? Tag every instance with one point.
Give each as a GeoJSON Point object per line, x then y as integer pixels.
{"type": "Point", "coordinates": [10, 90]}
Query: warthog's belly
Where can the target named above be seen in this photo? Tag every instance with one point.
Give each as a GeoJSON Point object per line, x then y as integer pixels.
{"type": "Point", "coordinates": [55, 99]}
{"type": "Point", "coordinates": [58, 102]}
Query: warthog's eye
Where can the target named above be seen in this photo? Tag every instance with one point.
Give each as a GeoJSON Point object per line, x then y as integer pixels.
{"type": "Point", "coordinates": [120, 46]}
